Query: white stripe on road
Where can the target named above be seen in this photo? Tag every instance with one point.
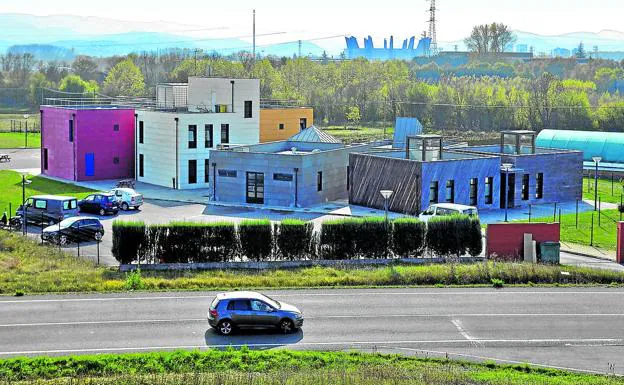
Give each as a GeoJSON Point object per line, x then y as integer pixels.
{"type": "Point", "coordinates": [460, 328]}
{"type": "Point", "coordinates": [597, 341]}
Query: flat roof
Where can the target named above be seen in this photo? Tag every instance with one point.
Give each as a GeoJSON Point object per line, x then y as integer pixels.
{"type": "Point", "coordinates": [519, 132]}
{"type": "Point", "coordinates": [90, 107]}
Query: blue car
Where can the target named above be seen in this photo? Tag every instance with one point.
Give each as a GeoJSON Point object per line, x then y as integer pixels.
{"type": "Point", "coordinates": [99, 203]}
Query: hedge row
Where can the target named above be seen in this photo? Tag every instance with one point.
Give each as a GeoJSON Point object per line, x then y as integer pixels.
{"type": "Point", "coordinates": [292, 239]}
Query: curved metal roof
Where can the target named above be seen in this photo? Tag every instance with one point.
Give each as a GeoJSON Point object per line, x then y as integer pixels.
{"type": "Point", "coordinates": [313, 134]}
{"type": "Point", "coordinates": [608, 145]}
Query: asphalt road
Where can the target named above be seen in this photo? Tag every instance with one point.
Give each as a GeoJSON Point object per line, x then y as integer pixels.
{"type": "Point", "coordinates": [573, 328]}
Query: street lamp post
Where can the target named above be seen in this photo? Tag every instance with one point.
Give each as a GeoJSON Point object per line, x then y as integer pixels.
{"type": "Point", "coordinates": [26, 116]}
{"type": "Point", "coordinates": [24, 208]}
{"type": "Point", "coordinates": [596, 160]}
{"type": "Point", "coordinates": [386, 194]}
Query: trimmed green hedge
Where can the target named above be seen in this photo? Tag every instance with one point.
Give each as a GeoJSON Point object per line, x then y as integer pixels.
{"type": "Point", "coordinates": [294, 239]}
{"type": "Point", "coordinates": [256, 239]}
{"type": "Point", "coordinates": [408, 237]}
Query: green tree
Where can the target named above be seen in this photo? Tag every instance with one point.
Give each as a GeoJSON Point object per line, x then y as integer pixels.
{"type": "Point", "coordinates": [125, 78]}
{"type": "Point", "coordinates": [580, 51]}
{"type": "Point", "coordinates": [353, 116]}
{"type": "Point", "coordinates": [36, 87]}
{"type": "Point", "coordinates": [85, 67]}
{"type": "Point", "coordinates": [495, 37]}
{"type": "Point", "coordinates": [75, 84]}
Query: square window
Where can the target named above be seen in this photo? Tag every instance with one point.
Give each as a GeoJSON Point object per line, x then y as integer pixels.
{"type": "Point", "coordinates": [116, 127]}
{"type": "Point", "coordinates": [116, 160]}
{"type": "Point", "coordinates": [281, 126]}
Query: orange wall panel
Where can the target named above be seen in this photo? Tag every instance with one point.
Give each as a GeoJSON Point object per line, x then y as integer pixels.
{"type": "Point", "coordinates": [270, 120]}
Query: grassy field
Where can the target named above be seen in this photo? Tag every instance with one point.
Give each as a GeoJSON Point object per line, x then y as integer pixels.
{"type": "Point", "coordinates": [279, 367]}
{"type": "Point", "coordinates": [11, 189]}
{"type": "Point", "coordinates": [16, 140]}
{"type": "Point", "coordinates": [605, 192]}
{"type": "Point", "coordinates": [5, 119]}
{"type": "Point", "coordinates": [28, 267]}
{"type": "Point", "coordinates": [361, 134]}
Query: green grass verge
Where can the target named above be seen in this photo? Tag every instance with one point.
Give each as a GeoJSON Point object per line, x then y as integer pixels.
{"type": "Point", "coordinates": [605, 234]}
{"type": "Point", "coordinates": [16, 140]}
{"type": "Point", "coordinates": [606, 191]}
{"type": "Point", "coordinates": [255, 367]}
{"type": "Point", "coordinates": [11, 189]}
{"type": "Point", "coordinates": [360, 134]}
{"type": "Point", "coordinates": [28, 267]}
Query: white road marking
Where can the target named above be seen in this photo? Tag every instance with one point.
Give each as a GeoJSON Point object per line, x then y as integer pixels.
{"type": "Point", "coordinates": [460, 328]}
{"type": "Point", "coordinates": [601, 341]}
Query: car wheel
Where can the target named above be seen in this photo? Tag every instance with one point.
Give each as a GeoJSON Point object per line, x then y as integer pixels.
{"type": "Point", "coordinates": [286, 326]}
{"type": "Point", "coordinates": [63, 240]}
{"type": "Point", "coordinates": [124, 206]}
{"type": "Point", "coordinates": [98, 236]}
{"type": "Point", "coordinates": [102, 212]}
{"type": "Point", "coordinates": [225, 327]}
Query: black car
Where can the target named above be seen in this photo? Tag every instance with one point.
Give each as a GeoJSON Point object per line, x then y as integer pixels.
{"type": "Point", "coordinates": [99, 203]}
{"type": "Point", "coordinates": [73, 230]}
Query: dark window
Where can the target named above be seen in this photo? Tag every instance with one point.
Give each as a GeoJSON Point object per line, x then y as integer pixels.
{"type": "Point", "coordinates": [141, 131]}
{"type": "Point", "coordinates": [192, 136]}
{"type": "Point", "coordinates": [433, 192]}
{"type": "Point", "coordinates": [247, 108]}
{"type": "Point", "coordinates": [525, 187]}
{"type": "Point", "coordinates": [140, 165]}
{"type": "Point", "coordinates": [348, 178]}
{"type": "Point", "coordinates": [539, 186]}
{"type": "Point", "coordinates": [450, 191]}
{"type": "Point", "coordinates": [192, 171]}
{"type": "Point", "coordinates": [116, 160]}
{"type": "Point", "coordinates": [474, 188]}
{"type": "Point", "coordinates": [227, 173]}
{"type": "Point", "coordinates": [489, 190]}
{"type": "Point", "coordinates": [255, 187]}
{"type": "Point", "coordinates": [71, 130]}
{"type": "Point", "coordinates": [208, 132]}
{"type": "Point", "coordinates": [206, 170]}
{"type": "Point", "coordinates": [45, 158]}
{"type": "Point", "coordinates": [116, 127]}
{"type": "Point", "coordinates": [239, 304]}
{"type": "Point", "coordinates": [281, 126]}
{"type": "Point", "coordinates": [41, 204]}
{"type": "Point", "coordinates": [225, 133]}
{"type": "Point", "coordinates": [303, 123]}
{"type": "Point", "coordinates": [283, 177]}
{"type": "Point", "coordinates": [319, 181]}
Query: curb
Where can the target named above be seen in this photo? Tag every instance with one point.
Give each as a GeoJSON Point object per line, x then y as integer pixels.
{"type": "Point", "coordinates": [587, 255]}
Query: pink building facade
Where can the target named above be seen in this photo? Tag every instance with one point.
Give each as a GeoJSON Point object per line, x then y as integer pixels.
{"type": "Point", "coordinates": [87, 143]}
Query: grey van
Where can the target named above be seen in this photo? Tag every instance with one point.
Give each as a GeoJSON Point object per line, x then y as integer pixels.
{"type": "Point", "coordinates": [48, 209]}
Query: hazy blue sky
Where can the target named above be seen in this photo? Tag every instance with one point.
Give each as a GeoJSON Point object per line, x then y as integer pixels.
{"type": "Point", "coordinates": [326, 17]}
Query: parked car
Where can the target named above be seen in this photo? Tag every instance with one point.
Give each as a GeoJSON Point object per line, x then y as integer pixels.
{"type": "Point", "coordinates": [100, 203]}
{"type": "Point", "coordinates": [73, 230]}
{"type": "Point", "coordinates": [248, 309]}
{"type": "Point", "coordinates": [127, 198]}
{"type": "Point", "coordinates": [48, 209]}
{"type": "Point", "coordinates": [442, 209]}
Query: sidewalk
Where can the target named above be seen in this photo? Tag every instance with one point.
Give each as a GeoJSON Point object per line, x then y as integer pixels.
{"type": "Point", "coordinates": [588, 251]}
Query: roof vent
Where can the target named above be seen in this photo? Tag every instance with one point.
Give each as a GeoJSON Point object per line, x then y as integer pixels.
{"type": "Point", "coordinates": [316, 150]}
{"type": "Point", "coordinates": [294, 150]}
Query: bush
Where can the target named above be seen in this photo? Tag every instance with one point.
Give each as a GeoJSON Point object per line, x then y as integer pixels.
{"type": "Point", "coordinates": [129, 241]}
{"type": "Point", "coordinates": [497, 283]}
{"type": "Point", "coordinates": [256, 239]}
{"type": "Point", "coordinates": [294, 239]}
{"type": "Point", "coordinates": [408, 237]}
{"type": "Point", "coordinates": [352, 238]}
{"type": "Point", "coordinates": [134, 280]}
{"type": "Point", "coordinates": [372, 237]}
{"type": "Point", "coordinates": [449, 235]}
{"type": "Point", "coordinates": [474, 238]}
{"type": "Point", "coordinates": [336, 239]}
{"type": "Point", "coordinates": [220, 242]}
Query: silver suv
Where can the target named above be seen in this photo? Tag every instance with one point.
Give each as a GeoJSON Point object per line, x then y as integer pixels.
{"type": "Point", "coordinates": [248, 309]}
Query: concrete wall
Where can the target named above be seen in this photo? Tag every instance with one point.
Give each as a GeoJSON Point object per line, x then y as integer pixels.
{"type": "Point", "coordinates": [270, 120]}
{"type": "Point", "coordinates": [93, 133]}
{"type": "Point", "coordinates": [203, 93]}
{"type": "Point", "coordinates": [506, 240]}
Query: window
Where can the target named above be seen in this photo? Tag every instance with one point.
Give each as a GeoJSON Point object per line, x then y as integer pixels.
{"type": "Point", "coordinates": [303, 123]}
{"type": "Point", "coordinates": [227, 173]}
{"type": "Point", "coordinates": [141, 165]}
{"type": "Point", "coordinates": [192, 171]}
{"type": "Point", "coordinates": [239, 304]}
{"type": "Point", "coordinates": [208, 133]}
{"type": "Point", "coordinates": [206, 170]}
{"type": "Point", "coordinates": [433, 192]}
{"type": "Point", "coordinates": [281, 126]}
{"type": "Point", "coordinates": [539, 186]}
{"type": "Point", "coordinates": [489, 190]}
{"type": "Point", "coordinates": [260, 306]}
{"type": "Point", "coordinates": [45, 158]}
{"type": "Point", "coordinates": [474, 187]}
{"type": "Point", "coordinates": [192, 136]}
{"type": "Point", "coordinates": [71, 130]}
{"type": "Point", "coordinates": [225, 133]}
{"type": "Point", "coordinates": [283, 177]}
{"type": "Point", "coordinates": [525, 187]}
{"type": "Point", "coordinates": [319, 181]}
{"type": "Point", "coordinates": [450, 191]}
{"type": "Point", "coordinates": [41, 204]}
{"type": "Point", "coordinates": [116, 160]}
{"type": "Point", "coordinates": [71, 204]}
{"type": "Point", "coordinates": [141, 131]}
{"type": "Point", "coordinates": [247, 108]}
{"type": "Point", "coordinates": [115, 127]}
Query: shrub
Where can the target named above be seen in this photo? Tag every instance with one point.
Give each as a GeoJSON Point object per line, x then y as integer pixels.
{"type": "Point", "coordinates": [372, 237]}
{"type": "Point", "coordinates": [449, 235]}
{"type": "Point", "coordinates": [129, 241]}
{"type": "Point", "coordinates": [256, 239]}
{"type": "Point", "coordinates": [474, 238]}
{"type": "Point", "coordinates": [497, 283]}
{"type": "Point", "coordinates": [337, 240]}
{"type": "Point", "coordinates": [294, 239]}
{"type": "Point", "coordinates": [220, 242]}
{"type": "Point", "coordinates": [408, 237]}
{"type": "Point", "coordinates": [180, 242]}
{"type": "Point", "coordinates": [134, 280]}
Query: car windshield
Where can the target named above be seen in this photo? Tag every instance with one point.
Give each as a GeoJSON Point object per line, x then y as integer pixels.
{"type": "Point", "coordinates": [272, 302]}
{"type": "Point", "coordinates": [66, 223]}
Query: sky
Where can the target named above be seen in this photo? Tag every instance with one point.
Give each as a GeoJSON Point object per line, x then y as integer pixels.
{"type": "Point", "coordinates": [322, 18]}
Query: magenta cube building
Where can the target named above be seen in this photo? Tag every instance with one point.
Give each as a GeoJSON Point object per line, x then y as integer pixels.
{"type": "Point", "coordinates": [87, 142]}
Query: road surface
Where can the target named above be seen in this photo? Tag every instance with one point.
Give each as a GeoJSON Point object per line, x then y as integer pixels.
{"type": "Point", "coordinates": [575, 328]}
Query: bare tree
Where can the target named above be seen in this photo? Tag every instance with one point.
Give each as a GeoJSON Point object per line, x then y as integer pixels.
{"type": "Point", "coordinates": [486, 38]}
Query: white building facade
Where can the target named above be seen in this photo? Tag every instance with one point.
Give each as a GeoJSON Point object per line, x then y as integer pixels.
{"type": "Point", "coordinates": [173, 144]}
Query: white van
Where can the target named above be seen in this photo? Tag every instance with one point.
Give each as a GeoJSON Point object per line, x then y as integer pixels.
{"type": "Point", "coordinates": [442, 209]}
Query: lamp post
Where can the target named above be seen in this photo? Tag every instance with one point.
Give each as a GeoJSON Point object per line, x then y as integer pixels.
{"type": "Point", "coordinates": [596, 160]}
{"type": "Point", "coordinates": [24, 207]}
{"type": "Point", "coordinates": [26, 116]}
{"type": "Point", "coordinates": [386, 194]}
{"type": "Point", "coordinates": [506, 168]}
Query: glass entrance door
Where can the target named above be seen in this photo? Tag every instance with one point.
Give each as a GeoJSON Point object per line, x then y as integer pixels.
{"type": "Point", "coordinates": [255, 187]}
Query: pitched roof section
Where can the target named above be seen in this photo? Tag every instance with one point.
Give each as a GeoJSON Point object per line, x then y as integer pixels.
{"type": "Point", "coordinates": [314, 135]}
{"type": "Point", "coordinates": [403, 128]}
